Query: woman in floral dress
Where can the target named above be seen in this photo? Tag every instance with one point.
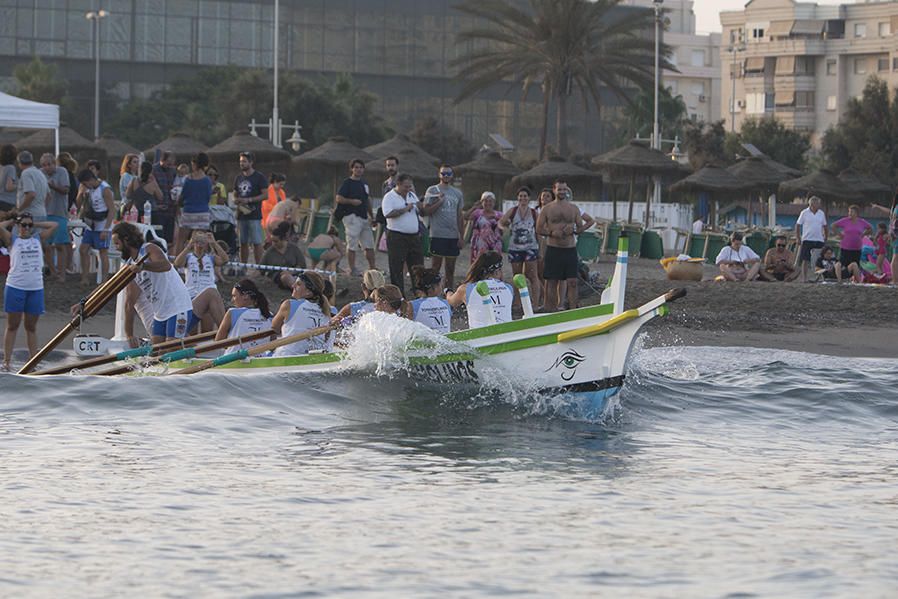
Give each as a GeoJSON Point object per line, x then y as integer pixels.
{"type": "Point", "coordinates": [487, 236]}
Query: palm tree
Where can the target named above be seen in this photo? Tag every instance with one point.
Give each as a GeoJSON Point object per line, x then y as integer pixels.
{"type": "Point", "coordinates": [559, 45]}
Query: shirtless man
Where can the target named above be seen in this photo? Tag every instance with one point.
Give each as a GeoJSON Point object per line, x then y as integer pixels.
{"type": "Point", "coordinates": [560, 221]}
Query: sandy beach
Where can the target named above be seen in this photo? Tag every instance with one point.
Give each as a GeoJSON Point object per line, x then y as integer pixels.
{"type": "Point", "coordinates": [838, 320]}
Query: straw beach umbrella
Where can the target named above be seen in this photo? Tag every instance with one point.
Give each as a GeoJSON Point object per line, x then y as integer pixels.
{"type": "Point", "coordinates": [823, 183]}
{"type": "Point", "coordinates": [116, 150]}
{"type": "Point", "coordinates": [866, 185]}
{"type": "Point", "coordinates": [226, 156]}
{"type": "Point", "coordinates": [762, 177]}
{"type": "Point", "coordinates": [489, 168]}
{"type": "Point", "coordinates": [181, 144]}
{"type": "Point", "coordinates": [70, 141]}
{"type": "Point", "coordinates": [632, 160]}
{"type": "Point", "coordinates": [580, 180]}
{"type": "Point", "coordinates": [397, 144]}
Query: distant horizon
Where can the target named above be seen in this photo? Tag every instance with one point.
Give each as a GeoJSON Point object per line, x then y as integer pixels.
{"type": "Point", "coordinates": [707, 12]}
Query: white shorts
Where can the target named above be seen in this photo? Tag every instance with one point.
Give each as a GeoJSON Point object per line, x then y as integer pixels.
{"type": "Point", "coordinates": [358, 233]}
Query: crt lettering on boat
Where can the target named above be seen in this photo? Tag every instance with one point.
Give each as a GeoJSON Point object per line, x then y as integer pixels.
{"type": "Point", "coordinates": [447, 372]}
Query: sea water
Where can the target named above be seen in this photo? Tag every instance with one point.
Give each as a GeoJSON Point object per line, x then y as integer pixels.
{"type": "Point", "coordinates": [724, 472]}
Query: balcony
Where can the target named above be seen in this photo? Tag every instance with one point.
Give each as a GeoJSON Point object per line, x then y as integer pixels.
{"type": "Point", "coordinates": [784, 47]}
{"type": "Point", "coordinates": [796, 117]}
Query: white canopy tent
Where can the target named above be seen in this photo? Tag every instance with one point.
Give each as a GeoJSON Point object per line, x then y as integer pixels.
{"type": "Point", "coordinates": [25, 114]}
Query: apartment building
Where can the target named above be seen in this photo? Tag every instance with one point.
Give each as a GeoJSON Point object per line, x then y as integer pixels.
{"type": "Point", "coordinates": [801, 62]}
{"type": "Point", "coordinates": [696, 56]}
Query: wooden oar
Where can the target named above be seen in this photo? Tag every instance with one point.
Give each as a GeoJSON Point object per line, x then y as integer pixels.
{"type": "Point", "coordinates": [254, 351]}
{"type": "Point", "coordinates": [92, 305]}
{"type": "Point", "coordinates": [146, 350]}
{"type": "Point", "coordinates": [622, 318]}
{"type": "Point", "coordinates": [187, 353]}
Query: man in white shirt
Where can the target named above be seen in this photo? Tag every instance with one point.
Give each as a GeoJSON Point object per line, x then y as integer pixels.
{"type": "Point", "coordinates": [811, 229]}
{"type": "Point", "coordinates": [404, 246]}
{"type": "Point", "coordinates": [698, 226]}
{"type": "Point", "coordinates": [737, 261]}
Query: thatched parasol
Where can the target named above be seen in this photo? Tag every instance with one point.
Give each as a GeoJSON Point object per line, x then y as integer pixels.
{"type": "Point", "coordinates": [181, 144]}
{"type": "Point", "coordinates": [580, 180]}
{"type": "Point", "coordinates": [762, 176]}
{"type": "Point", "coordinates": [81, 148]}
{"type": "Point", "coordinates": [8, 135]}
{"type": "Point", "coordinates": [634, 159]}
{"type": "Point", "coordinates": [821, 183]}
{"type": "Point", "coordinates": [785, 169]}
{"type": "Point", "coordinates": [268, 158]}
{"type": "Point", "coordinates": [116, 150]}
{"type": "Point", "coordinates": [333, 155]}
{"type": "Point", "coordinates": [712, 179]}
{"type": "Point", "coordinates": [396, 145]}
{"type": "Point", "coordinates": [864, 184]}
{"type": "Point", "coordinates": [488, 168]}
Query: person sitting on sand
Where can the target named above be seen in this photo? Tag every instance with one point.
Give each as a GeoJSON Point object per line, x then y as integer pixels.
{"type": "Point", "coordinates": [867, 271]}
{"type": "Point", "coordinates": [307, 309]}
{"type": "Point", "coordinates": [284, 254]}
{"type": "Point", "coordinates": [326, 250]}
{"type": "Point", "coordinates": [389, 299]}
{"type": "Point", "coordinates": [828, 266]}
{"type": "Point", "coordinates": [250, 314]}
{"type": "Point", "coordinates": [24, 292]}
{"type": "Point", "coordinates": [737, 261]}
{"type": "Point", "coordinates": [371, 280]}
{"type": "Point", "coordinates": [779, 262]}
{"type": "Point", "coordinates": [430, 309]}
{"type": "Point", "coordinates": [487, 268]}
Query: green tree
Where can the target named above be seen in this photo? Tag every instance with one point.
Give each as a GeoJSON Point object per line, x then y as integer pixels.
{"type": "Point", "coordinates": [39, 81]}
{"type": "Point", "coordinates": [704, 144]}
{"type": "Point", "coordinates": [866, 137]}
{"type": "Point", "coordinates": [440, 140]}
{"type": "Point", "coordinates": [777, 141]}
{"type": "Point", "coordinates": [672, 114]}
{"type": "Point", "coordinates": [561, 46]}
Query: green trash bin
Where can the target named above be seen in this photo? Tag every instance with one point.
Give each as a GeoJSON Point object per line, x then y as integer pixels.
{"type": "Point", "coordinates": [696, 245]}
{"type": "Point", "coordinates": [613, 236]}
{"type": "Point", "coordinates": [588, 246]}
{"type": "Point", "coordinates": [634, 232]}
{"type": "Point", "coordinates": [716, 243]}
{"type": "Point", "coordinates": [319, 225]}
{"type": "Point", "coordinates": [652, 246]}
{"type": "Point", "coordinates": [759, 242]}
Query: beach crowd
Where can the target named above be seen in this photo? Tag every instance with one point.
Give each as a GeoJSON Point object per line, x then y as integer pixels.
{"type": "Point", "coordinates": [58, 218]}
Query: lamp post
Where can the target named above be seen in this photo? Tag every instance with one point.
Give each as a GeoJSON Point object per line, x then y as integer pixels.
{"type": "Point", "coordinates": [294, 140]}
{"type": "Point", "coordinates": [94, 16]}
{"type": "Point", "coordinates": [656, 136]}
{"type": "Point", "coordinates": [735, 46]}
{"type": "Point", "coordinates": [275, 117]}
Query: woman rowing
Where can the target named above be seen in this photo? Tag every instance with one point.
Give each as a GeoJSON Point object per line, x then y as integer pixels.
{"type": "Point", "coordinates": [430, 309]}
{"type": "Point", "coordinates": [486, 269]}
{"type": "Point", "coordinates": [250, 314]}
{"type": "Point", "coordinates": [159, 283]}
{"type": "Point", "coordinates": [199, 259]}
{"type": "Point", "coordinates": [371, 280]}
{"type": "Point", "coordinates": [389, 299]}
{"type": "Point", "coordinates": [307, 309]}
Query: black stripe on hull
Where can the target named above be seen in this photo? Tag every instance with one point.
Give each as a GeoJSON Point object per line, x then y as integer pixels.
{"type": "Point", "coordinates": [614, 381]}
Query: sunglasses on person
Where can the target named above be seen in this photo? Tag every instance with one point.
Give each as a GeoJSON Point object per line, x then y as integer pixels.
{"type": "Point", "coordinates": [26, 225]}
{"type": "Point", "coordinates": [445, 173]}
{"type": "Point", "coordinates": [781, 245]}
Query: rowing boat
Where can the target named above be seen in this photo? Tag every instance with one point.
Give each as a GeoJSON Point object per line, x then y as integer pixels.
{"type": "Point", "coordinates": [581, 353]}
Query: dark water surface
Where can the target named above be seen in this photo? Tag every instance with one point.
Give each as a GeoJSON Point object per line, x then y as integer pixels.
{"type": "Point", "coordinates": [723, 472]}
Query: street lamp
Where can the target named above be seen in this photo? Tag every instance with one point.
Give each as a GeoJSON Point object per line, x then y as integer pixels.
{"type": "Point", "coordinates": [736, 45]}
{"type": "Point", "coordinates": [275, 117]}
{"type": "Point", "coordinates": [94, 16]}
{"type": "Point", "coordinates": [656, 137]}
{"type": "Point", "coordinates": [294, 140]}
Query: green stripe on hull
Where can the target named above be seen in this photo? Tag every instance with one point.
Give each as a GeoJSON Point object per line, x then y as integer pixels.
{"type": "Point", "coordinates": [540, 320]}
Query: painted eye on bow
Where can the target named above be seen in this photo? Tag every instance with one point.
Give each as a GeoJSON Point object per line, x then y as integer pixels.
{"type": "Point", "coordinates": [569, 361]}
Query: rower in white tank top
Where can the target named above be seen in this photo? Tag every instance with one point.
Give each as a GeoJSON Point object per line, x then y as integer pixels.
{"type": "Point", "coordinates": [245, 321]}
{"type": "Point", "coordinates": [304, 315]}
{"type": "Point", "coordinates": [199, 274]}
{"type": "Point", "coordinates": [501, 296]}
{"type": "Point", "coordinates": [165, 291]}
{"type": "Point", "coordinates": [434, 313]}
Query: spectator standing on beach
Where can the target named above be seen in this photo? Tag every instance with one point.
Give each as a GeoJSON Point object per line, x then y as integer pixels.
{"type": "Point", "coordinates": [560, 221]}
{"type": "Point", "coordinates": [250, 190]}
{"type": "Point", "coordinates": [219, 191]}
{"type": "Point", "coordinates": [779, 263]}
{"type": "Point", "coordinates": [164, 173]}
{"type": "Point", "coordinates": [811, 229]}
{"type": "Point", "coordinates": [404, 247]}
{"type": "Point", "coordinates": [276, 194]}
{"type": "Point", "coordinates": [141, 190]}
{"type": "Point", "coordinates": [33, 188]}
{"type": "Point", "coordinates": [97, 204]}
{"type": "Point", "coordinates": [196, 190]}
{"type": "Point", "coordinates": [65, 160]}
{"type": "Point", "coordinates": [129, 170]}
{"type": "Point", "coordinates": [57, 212]}
{"type": "Point", "coordinates": [354, 210]}
{"type": "Point", "coordinates": [9, 178]}
{"type": "Point", "coordinates": [443, 204]}
{"type": "Point", "coordinates": [485, 236]}
{"type": "Point", "coordinates": [391, 166]}
{"type": "Point", "coordinates": [523, 245]}
{"type": "Point", "coordinates": [737, 261]}
{"type": "Point", "coordinates": [853, 228]}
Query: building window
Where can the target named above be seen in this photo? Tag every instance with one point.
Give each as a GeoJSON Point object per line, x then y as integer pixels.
{"type": "Point", "coordinates": [698, 58]}
{"type": "Point", "coordinates": [804, 99]}
{"type": "Point", "coordinates": [885, 29]}
{"type": "Point", "coordinates": [756, 31]}
{"type": "Point", "coordinates": [895, 64]}
{"type": "Point", "coordinates": [830, 67]}
{"type": "Point", "coordinates": [697, 88]}
{"type": "Point", "coordinates": [860, 66]}
{"type": "Point", "coordinates": [830, 102]}
{"type": "Point", "coordinates": [755, 103]}
{"type": "Point", "coordinates": [860, 30]}
{"type": "Point", "coordinates": [882, 64]}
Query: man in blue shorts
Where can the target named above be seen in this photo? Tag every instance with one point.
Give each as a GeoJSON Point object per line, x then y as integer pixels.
{"type": "Point", "coordinates": [57, 212]}
{"type": "Point", "coordinates": [250, 190]}
{"type": "Point", "coordinates": [97, 204]}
